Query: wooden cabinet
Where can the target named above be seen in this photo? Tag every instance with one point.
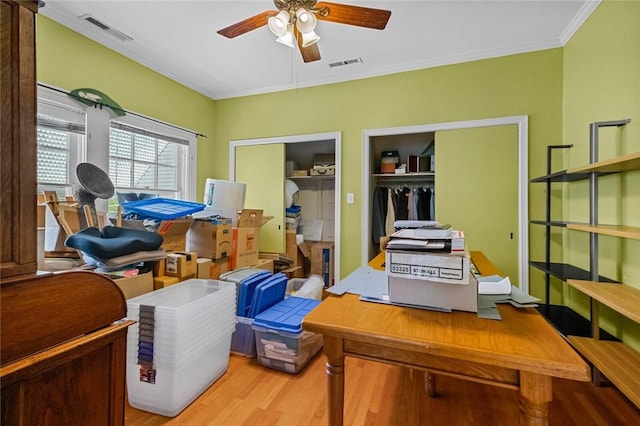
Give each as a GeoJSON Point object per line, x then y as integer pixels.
{"type": "Point", "coordinates": [18, 249]}
{"type": "Point", "coordinates": [617, 361]}
{"type": "Point", "coordinates": [63, 355]}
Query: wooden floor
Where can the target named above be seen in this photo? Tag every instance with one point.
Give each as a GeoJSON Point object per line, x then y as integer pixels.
{"type": "Point", "coordinates": [379, 394]}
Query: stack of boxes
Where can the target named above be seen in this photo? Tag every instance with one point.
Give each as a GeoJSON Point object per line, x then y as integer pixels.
{"type": "Point", "coordinates": [202, 248]}
{"type": "Point", "coordinates": [440, 280]}
{"type": "Point", "coordinates": [245, 246]}
{"type": "Point", "coordinates": [212, 240]}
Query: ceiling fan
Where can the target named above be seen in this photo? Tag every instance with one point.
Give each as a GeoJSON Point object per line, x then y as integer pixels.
{"type": "Point", "coordinates": [296, 20]}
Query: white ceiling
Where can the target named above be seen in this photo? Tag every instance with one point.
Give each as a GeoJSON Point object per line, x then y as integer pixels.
{"type": "Point", "coordinates": [178, 38]}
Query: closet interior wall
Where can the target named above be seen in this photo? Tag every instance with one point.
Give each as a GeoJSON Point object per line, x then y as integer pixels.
{"type": "Point", "coordinates": [404, 185]}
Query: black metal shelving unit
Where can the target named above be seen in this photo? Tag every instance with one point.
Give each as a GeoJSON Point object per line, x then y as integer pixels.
{"type": "Point", "coordinates": [563, 318]}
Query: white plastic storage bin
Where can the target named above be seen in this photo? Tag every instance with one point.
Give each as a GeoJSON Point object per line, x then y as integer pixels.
{"type": "Point", "coordinates": [180, 343]}
{"type": "Point", "coordinates": [243, 341]}
{"type": "Point", "coordinates": [280, 341]}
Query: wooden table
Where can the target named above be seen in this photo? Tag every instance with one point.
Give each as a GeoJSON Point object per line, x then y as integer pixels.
{"type": "Point", "coordinates": [521, 352]}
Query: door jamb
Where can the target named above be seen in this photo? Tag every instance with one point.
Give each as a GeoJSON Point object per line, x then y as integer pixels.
{"type": "Point", "coordinates": [315, 137]}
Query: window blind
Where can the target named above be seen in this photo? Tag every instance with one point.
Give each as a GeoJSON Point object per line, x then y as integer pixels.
{"type": "Point", "coordinates": [148, 133]}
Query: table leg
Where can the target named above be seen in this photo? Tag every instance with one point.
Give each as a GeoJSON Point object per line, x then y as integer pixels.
{"type": "Point", "coordinates": [430, 383]}
{"type": "Point", "coordinates": [335, 379]}
{"type": "Point", "coordinates": [535, 395]}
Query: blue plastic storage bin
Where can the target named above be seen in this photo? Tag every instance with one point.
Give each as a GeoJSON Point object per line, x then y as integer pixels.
{"type": "Point", "coordinates": [163, 208]}
{"type": "Point", "coordinates": [280, 341]}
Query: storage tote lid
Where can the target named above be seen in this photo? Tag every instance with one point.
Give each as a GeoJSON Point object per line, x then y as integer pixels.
{"type": "Point", "coordinates": [164, 208]}
{"type": "Point", "coordinates": [287, 315]}
{"type": "Point", "coordinates": [238, 275]}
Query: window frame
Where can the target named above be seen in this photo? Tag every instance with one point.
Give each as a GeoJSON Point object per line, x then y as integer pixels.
{"type": "Point", "coordinates": [97, 152]}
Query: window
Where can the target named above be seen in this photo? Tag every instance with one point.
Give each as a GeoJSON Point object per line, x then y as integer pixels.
{"type": "Point", "coordinates": [140, 154]}
{"type": "Point", "coordinates": [60, 146]}
{"type": "Point", "coordinates": [146, 162]}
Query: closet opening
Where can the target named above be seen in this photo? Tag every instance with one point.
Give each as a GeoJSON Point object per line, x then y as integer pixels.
{"type": "Point", "coordinates": [445, 164]}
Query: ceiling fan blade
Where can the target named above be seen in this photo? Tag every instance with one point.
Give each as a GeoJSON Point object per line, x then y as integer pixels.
{"type": "Point", "coordinates": [353, 15]}
{"type": "Point", "coordinates": [309, 53]}
{"type": "Point", "coordinates": [248, 24]}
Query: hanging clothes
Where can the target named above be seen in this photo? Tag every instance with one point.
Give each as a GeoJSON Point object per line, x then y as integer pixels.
{"type": "Point", "coordinates": [391, 216]}
{"type": "Point", "coordinates": [402, 212]}
{"type": "Point", "coordinates": [379, 214]}
{"type": "Point", "coordinates": [432, 203]}
{"type": "Point", "coordinates": [424, 203]}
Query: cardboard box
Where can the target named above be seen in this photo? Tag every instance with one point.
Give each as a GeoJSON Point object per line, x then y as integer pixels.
{"type": "Point", "coordinates": [136, 285]}
{"type": "Point", "coordinates": [164, 281]}
{"type": "Point", "coordinates": [182, 265]}
{"type": "Point", "coordinates": [437, 267]}
{"type": "Point", "coordinates": [434, 295]}
{"type": "Point", "coordinates": [266, 264]}
{"type": "Point", "coordinates": [246, 239]}
{"type": "Point", "coordinates": [204, 268]}
{"type": "Point", "coordinates": [293, 272]}
{"type": "Point", "coordinates": [160, 268]}
{"type": "Point", "coordinates": [209, 239]}
{"type": "Point", "coordinates": [322, 257]}
{"type": "Point", "coordinates": [174, 232]}
{"type": "Point", "coordinates": [219, 267]}
{"type": "Point", "coordinates": [41, 212]}
{"type": "Point", "coordinates": [294, 252]}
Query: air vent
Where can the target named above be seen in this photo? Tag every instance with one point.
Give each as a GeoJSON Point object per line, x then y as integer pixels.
{"type": "Point", "coordinates": [347, 62]}
{"type": "Point", "coordinates": [106, 28]}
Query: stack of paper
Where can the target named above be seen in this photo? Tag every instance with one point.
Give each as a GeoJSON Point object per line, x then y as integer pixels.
{"type": "Point", "coordinates": [423, 239]}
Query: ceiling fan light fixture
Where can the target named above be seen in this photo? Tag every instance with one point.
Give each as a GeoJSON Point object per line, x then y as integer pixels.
{"type": "Point", "coordinates": [278, 24]}
{"type": "Point", "coordinates": [287, 37]}
{"type": "Point", "coordinates": [309, 38]}
{"type": "Point", "coordinates": [305, 21]}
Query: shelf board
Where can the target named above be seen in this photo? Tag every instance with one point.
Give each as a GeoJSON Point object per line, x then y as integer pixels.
{"type": "Point", "coordinates": [619, 297]}
{"type": "Point", "coordinates": [561, 176]}
{"type": "Point", "coordinates": [613, 230]}
{"type": "Point", "coordinates": [619, 164]}
{"type": "Point", "coordinates": [404, 175]}
{"type": "Point", "coordinates": [549, 223]}
{"type": "Point", "coordinates": [315, 177]}
{"type": "Point", "coordinates": [565, 271]}
{"type": "Point", "coordinates": [568, 322]}
{"type": "Point", "coordinates": [617, 361]}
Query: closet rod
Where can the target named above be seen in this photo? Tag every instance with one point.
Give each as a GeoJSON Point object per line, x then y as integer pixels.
{"type": "Point", "coordinates": [396, 180]}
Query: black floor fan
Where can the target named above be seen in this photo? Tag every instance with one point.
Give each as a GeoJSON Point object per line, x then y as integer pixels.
{"type": "Point", "coordinates": [94, 183]}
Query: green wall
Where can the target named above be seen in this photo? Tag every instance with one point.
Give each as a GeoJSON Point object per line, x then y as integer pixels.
{"type": "Point", "coordinates": [602, 82]}
{"type": "Point", "coordinates": [593, 78]}
{"type": "Point", "coordinates": [67, 60]}
{"type": "Point", "coordinates": [526, 84]}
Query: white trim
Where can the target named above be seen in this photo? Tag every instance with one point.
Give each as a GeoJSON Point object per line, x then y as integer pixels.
{"type": "Point", "coordinates": [522, 121]}
{"type": "Point", "coordinates": [336, 137]}
{"type": "Point", "coordinates": [578, 19]}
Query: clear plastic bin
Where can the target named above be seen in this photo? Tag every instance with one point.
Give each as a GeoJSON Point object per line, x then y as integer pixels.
{"type": "Point", "coordinates": [284, 351]}
{"type": "Point", "coordinates": [243, 341]}
{"type": "Point", "coordinates": [280, 341]}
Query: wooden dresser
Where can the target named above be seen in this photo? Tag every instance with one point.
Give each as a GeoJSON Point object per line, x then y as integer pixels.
{"type": "Point", "coordinates": [63, 353]}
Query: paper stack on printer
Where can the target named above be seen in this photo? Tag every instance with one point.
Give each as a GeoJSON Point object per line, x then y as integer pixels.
{"type": "Point", "coordinates": [425, 235]}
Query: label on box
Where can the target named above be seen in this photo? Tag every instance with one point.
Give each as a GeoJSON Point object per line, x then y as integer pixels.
{"type": "Point", "coordinates": [445, 268]}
